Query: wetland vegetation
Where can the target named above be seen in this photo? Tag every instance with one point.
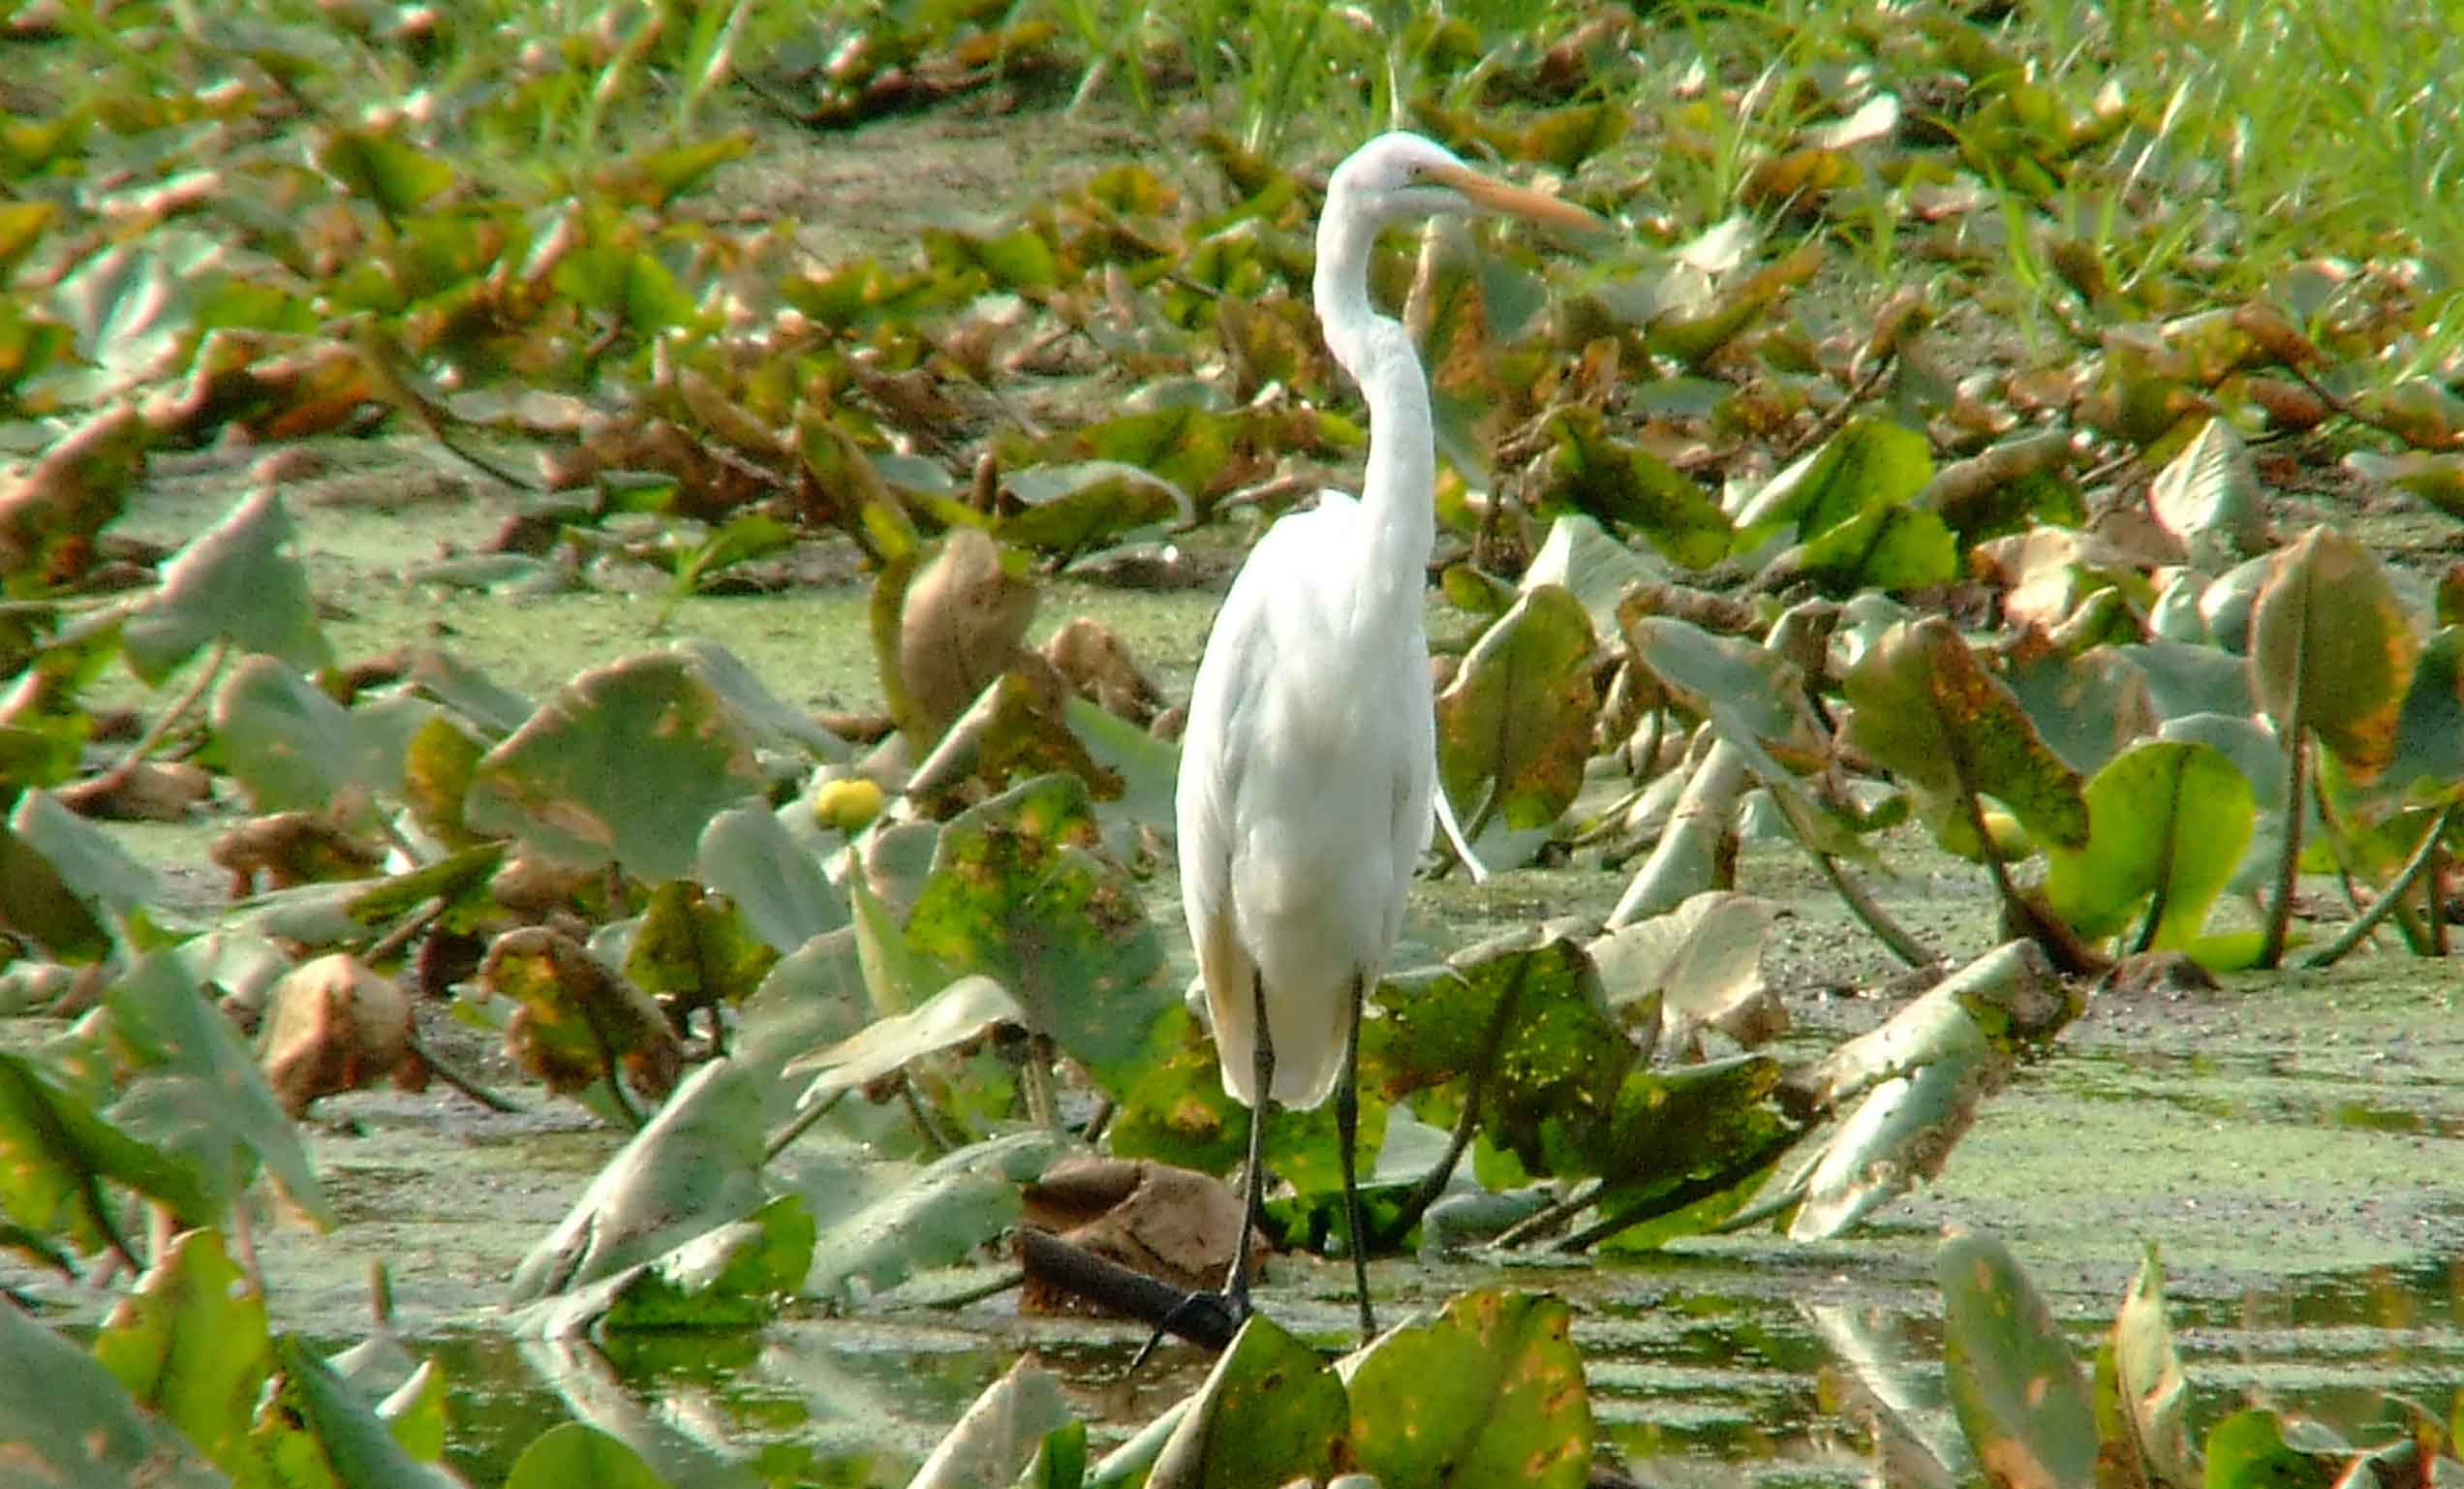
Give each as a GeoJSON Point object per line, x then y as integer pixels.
{"type": "Point", "coordinates": [592, 600]}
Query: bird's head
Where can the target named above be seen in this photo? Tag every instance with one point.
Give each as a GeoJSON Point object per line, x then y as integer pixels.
{"type": "Point", "coordinates": [1400, 176]}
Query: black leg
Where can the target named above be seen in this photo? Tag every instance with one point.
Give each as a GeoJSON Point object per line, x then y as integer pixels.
{"type": "Point", "coordinates": [1235, 1288]}
{"type": "Point", "coordinates": [1347, 1134]}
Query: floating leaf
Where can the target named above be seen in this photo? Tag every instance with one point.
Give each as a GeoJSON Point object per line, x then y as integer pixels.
{"type": "Point", "coordinates": [1488, 1392]}
{"type": "Point", "coordinates": [1514, 727]}
{"type": "Point", "coordinates": [628, 763]}
{"type": "Point", "coordinates": [2013, 1380]}
{"type": "Point", "coordinates": [2251, 1449]}
{"type": "Point", "coordinates": [241, 579]}
{"type": "Point", "coordinates": [70, 1425]}
{"type": "Point", "coordinates": [1271, 1411]}
{"type": "Point", "coordinates": [324, 1432]}
{"type": "Point", "coordinates": [1580, 556]}
{"type": "Point", "coordinates": [2436, 477]}
{"type": "Point", "coordinates": [1868, 466]}
{"type": "Point", "coordinates": [572, 1453]}
{"type": "Point", "coordinates": [1020, 893]}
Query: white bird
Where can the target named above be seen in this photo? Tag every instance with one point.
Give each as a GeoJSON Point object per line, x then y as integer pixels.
{"type": "Point", "coordinates": [1310, 761]}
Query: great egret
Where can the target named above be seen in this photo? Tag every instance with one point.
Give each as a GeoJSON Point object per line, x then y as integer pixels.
{"type": "Point", "coordinates": [1310, 761]}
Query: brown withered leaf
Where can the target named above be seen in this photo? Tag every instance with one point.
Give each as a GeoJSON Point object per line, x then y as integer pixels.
{"type": "Point", "coordinates": [288, 849]}
{"type": "Point", "coordinates": [51, 514]}
{"type": "Point", "coordinates": [333, 1026]}
{"type": "Point", "coordinates": [960, 627]}
{"type": "Point", "coordinates": [1095, 660]}
{"type": "Point", "coordinates": [1170, 1223]}
{"type": "Point", "coordinates": [576, 1018]}
{"type": "Point", "coordinates": [140, 791]}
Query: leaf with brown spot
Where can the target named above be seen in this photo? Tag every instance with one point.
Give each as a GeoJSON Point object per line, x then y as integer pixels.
{"type": "Point", "coordinates": [1022, 892]}
{"type": "Point", "coordinates": [2332, 650]}
{"type": "Point", "coordinates": [1514, 727]}
{"type": "Point", "coordinates": [51, 514]}
{"type": "Point", "coordinates": [1930, 712]}
{"type": "Point", "coordinates": [1269, 1412]}
{"type": "Point", "coordinates": [1488, 1392]}
{"type": "Point", "coordinates": [577, 1022]}
{"type": "Point", "coordinates": [628, 763]}
{"type": "Point", "coordinates": [2013, 1379]}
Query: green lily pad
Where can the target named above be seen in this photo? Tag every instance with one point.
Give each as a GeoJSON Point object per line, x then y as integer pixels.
{"type": "Point", "coordinates": [947, 1209]}
{"type": "Point", "coordinates": [1618, 483]}
{"type": "Point", "coordinates": [1020, 892]}
{"type": "Point", "coordinates": [1488, 1392]}
{"type": "Point", "coordinates": [1271, 1411]}
{"type": "Point", "coordinates": [70, 1425]}
{"type": "Point", "coordinates": [627, 763]}
{"type": "Point", "coordinates": [730, 1276]}
{"type": "Point", "coordinates": [294, 748]}
{"type": "Point", "coordinates": [399, 177]}
{"type": "Point", "coordinates": [1514, 727]}
{"type": "Point", "coordinates": [191, 1344]}
{"type": "Point", "coordinates": [1068, 508]}
{"type": "Point", "coordinates": [693, 1167]}
{"type": "Point", "coordinates": [2013, 1379]}
{"type": "Point", "coordinates": [242, 580]}
{"type": "Point", "coordinates": [747, 854]}
{"type": "Point", "coordinates": [955, 1015]}
{"type": "Point", "coordinates": [2167, 820]}
{"type": "Point", "coordinates": [1930, 711]}
{"type": "Point", "coordinates": [198, 1091]}
{"type": "Point", "coordinates": [578, 1453]}
{"type": "Point", "coordinates": [56, 1154]}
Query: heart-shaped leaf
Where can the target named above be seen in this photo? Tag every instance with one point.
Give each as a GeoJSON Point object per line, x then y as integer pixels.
{"type": "Point", "coordinates": [242, 580]}
{"type": "Point", "coordinates": [2013, 1379]}
{"type": "Point", "coordinates": [1514, 727]}
{"type": "Point", "coordinates": [1488, 1392]}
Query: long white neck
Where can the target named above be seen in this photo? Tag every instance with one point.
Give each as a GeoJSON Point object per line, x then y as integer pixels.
{"type": "Point", "coordinates": [1402, 525]}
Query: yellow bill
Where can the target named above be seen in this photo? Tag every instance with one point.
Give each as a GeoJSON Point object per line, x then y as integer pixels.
{"type": "Point", "coordinates": [1520, 201]}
